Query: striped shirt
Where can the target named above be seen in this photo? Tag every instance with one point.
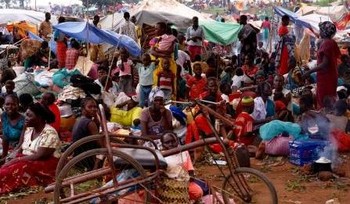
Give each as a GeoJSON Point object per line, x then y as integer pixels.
{"type": "Point", "coordinates": [166, 80]}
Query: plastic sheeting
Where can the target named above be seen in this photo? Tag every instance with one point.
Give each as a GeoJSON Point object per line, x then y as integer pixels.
{"type": "Point", "coordinates": [221, 33]}
{"type": "Point", "coordinates": [52, 43]}
{"type": "Point", "coordinates": [86, 32]}
{"type": "Point", "coordinates": [294, 18]}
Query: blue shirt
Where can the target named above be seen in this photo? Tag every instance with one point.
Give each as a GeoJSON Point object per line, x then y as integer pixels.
{"type": "Point", "coordinates": [11, 132]}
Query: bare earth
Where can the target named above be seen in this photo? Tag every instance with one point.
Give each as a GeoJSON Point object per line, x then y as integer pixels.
{"type": "Point", "coordinates": [292, 185]}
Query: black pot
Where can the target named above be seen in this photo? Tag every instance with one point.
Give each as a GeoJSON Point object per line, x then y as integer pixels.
{"type": "Point", "coordinates": [317, 167]}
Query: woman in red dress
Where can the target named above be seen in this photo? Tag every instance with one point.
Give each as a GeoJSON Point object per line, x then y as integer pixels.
{"type": "Point", "coordinates": [285, 47]}
{"type": "Point", "coordinates": [327, 56]}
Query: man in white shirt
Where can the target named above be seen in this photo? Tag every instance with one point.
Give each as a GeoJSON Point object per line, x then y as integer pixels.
{"type": "Point", "coordinates": [128, 28]}
{"type": "Point", "coordinates": [194, 38]}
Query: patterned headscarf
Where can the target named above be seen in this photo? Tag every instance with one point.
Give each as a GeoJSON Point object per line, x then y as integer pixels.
{"type": "Point", "coordinates": [327, 29]}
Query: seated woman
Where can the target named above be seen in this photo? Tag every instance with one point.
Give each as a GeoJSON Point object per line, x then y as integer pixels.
{"type": "Point", "coordinates": [38, 153]}
{"type": "Point", "coordinates": [12, 124]}
{"type": "Point", "coordinates": [41, 57]}
{"type": "Point", "coordinates": [313, 123]}
{"type": "Point", "coordinates": [156, 119]}
{"type": "Point", "coordinates": [87, 125]}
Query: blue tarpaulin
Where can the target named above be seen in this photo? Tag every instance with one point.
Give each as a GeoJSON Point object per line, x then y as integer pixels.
{"type": "Point", "coordinates": [292, 16]}
{"type": "Point", "coordinates": [52, 43]}
{"type": "Point", "coordinates": [87, 32]}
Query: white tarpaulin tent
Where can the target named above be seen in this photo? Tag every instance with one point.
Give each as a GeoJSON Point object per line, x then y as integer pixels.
{"type": "Point", "coordinates": [334, 12]}
{"type": "Point", "coordinates": [15, 15]}
{"type": "Point", "coordinates": [314, 20]}
{"type": "Point", "coordinates": [152, 11]}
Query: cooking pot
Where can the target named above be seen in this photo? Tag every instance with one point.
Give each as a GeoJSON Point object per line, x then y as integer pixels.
{"type": "Point", "coordinates": [322, 164]}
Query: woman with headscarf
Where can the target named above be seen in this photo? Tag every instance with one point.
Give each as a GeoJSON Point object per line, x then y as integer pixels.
{"type": "Point", "coordinates": [285, 47]}
{"type": "Point", "coordinates": [156, 119]}
{"type": "Point", "coordinates": [326, 68]}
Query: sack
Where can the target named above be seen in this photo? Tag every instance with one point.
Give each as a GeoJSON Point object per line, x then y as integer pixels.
{"type": "Point", "coordinates": [85, 83]}
{"type": "Point", "coordinates": [25, 83]}
{"type": "Point", "coordinates": [278, 146]}
{"type": "Point", "coordinates": [242, 155]}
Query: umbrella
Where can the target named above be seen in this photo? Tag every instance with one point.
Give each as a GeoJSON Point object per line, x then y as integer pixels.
{"type": "Point", "coordinates": [87, 32]}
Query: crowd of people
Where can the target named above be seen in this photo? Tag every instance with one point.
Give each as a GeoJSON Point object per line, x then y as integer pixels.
{"type": "Point", "coordinates": [254, 89]}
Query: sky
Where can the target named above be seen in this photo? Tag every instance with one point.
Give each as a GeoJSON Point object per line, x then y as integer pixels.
{"type": "Point", "coordinates": [59, 2]}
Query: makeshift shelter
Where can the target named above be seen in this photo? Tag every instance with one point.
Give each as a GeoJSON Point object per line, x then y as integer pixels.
{"type": "Point", "coordinates": [294, 18]}
{"type": "Point", "coordinates": [221, 33]}
{"type": "Point", "coordinates": [314, 20]}
{"type": "Point", "coordinates": [16, 15]}
{"type": "Point", "coordinates": [87, 32]}
{"type": "Point", "coordinates": [152, 11]}
{"type": "Point", "coordinates": [22, 27]}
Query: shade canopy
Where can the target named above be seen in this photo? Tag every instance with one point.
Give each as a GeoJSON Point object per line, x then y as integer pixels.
{"type": "Point", "coordinates": [87, 32]}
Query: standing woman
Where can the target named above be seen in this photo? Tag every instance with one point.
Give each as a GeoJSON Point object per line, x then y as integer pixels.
{"type": "Point", "coordinates": [266, 28]}
{"type": "Point", "coordinates": [12, 123]}
{"type": "Point", "coordinates": [61, 40]}
{"type": "Point", "coordinates": [38, 153]}
{"type": "Point", "coordinates": [327, 55]}
{"type": "Point", "coordinates": [165, 47]}
{"type": "Point", "coordinates": [285, 47]}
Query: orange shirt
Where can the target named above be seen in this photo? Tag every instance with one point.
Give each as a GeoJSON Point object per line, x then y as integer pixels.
{"type": "Point", "coordinates": [250, 71]}
{"type": "Point", "coordinates": [196, 86]}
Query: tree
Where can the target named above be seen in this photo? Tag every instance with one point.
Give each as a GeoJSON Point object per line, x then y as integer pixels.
{"type": "Point", "coordinates": [99, 3]}
{"type": "Point", "coordinates": [7, 2]}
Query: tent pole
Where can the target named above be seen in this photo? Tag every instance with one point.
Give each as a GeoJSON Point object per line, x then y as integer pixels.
{"type": "Point", "coordinates": [112, 21]}
{"type": "Point", "coordinates": [48, 61]}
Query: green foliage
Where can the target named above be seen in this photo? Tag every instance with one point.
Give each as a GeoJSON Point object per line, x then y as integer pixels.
{"type": "Point", "coordinates": [324, 2]}
{"type": "Point", "coordinates": [100, 2]}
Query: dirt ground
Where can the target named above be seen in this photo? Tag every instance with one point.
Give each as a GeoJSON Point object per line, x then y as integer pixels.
{"type": "Point", "coordinates": [292, 185]}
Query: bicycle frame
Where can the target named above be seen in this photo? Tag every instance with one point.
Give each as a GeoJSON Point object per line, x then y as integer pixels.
{"type": "Point", "coordinates": [242, 190]}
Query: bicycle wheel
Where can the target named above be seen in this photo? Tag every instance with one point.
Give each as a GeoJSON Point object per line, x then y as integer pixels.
{"type": "Point", "coordinates": [259, 188]}
{"type": "Point", "coordinates": [68, 153]}
{"type": "Point", "coordinates": [88, 182]}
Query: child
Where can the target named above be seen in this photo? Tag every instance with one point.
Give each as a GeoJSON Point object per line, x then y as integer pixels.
{"type": "Point", "coordinates": [260, 49]}
{"type": "Point", "coordinates": [145, 71]}
{"type": "Point", "coordinates": [125, 67]}
{"type": "Point", "coordinates": [181, 85]}
{"type": "Point", "coordinates": [244, 122]}
{"type": "Point", "coordinates": [9, 86]}
{"type": "Point", "coordinates": [166, 80]}
{"type": "Point", "coordinates": [196, 84]}
{"type": "Point", "coordinates": [237, 79]}
{"type": "Point", "coordinates": [227, 76]}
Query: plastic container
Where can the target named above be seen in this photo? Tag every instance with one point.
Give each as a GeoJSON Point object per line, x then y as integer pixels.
{"type": "Point", "coordinates": [306, 152]}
